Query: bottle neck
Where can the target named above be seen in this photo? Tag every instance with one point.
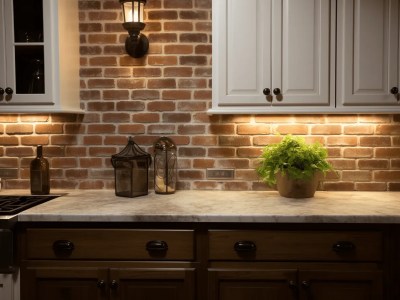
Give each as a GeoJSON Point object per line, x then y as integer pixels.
{"type": "Point", "coordinates": [39, 151]}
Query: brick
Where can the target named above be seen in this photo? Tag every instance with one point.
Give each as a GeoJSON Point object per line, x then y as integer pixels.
{"type": "Point", "coordinates": [117, 72]}
{"type": "Point", "coordinates": [145, 95]}
{"type": "Point", "coordinates": [163, 38]}
{"type": "Point", "coordinates": [90, 27]}
{"type": "Point", "coordinates": [266, 140]}
{"type": "Point", "coordinates": [341, 141]}
{"type": "Point", "coordinates": [161, 84]}
{"type": "Point", "coordinates": [221, 129]}
{"type": "Point", "coordinates": [131, 129]}
{"type": "Point", "coordinates": [103, 15]}
{"type": "Point", "coordinates": [19, 129]}
{"type": "Point", "coordinates": [159, 15]}
{"type": "Point", "coordinates": [356, 175]}
{"type": "Point", "coordinates": [176, 117]}
{"type": "Point", "coordinates": [161, 129]}
{"type": "Point", "coordinates": [235, 163]}
{"type": "Point", "coordinates": [221, 152]}
{"type": "Point", "coordinates": [203, 163]}
{"type": "Point", "coordinates": [388, 129]}
{"type": "Point", "coordinates": [8, 162]}
{"type": "Point", "coordinates": [203, 72]}
{"type": "Point", "coordinates": [205, 185]}
{"type": "Point", "coordinates": [292, 129]}
{"type": "Point", "coordinates": [130, 106]}
{"type": "Point", "coordinates": [89, 5]}
{"type": "Point", "coordinates": [90, 95]}
{"type": "Point", "coordinates": [100, 106]}
{"type": "Point", "coordinates": [205, 4]}
{"type": "Point", "coordinates": [193, 15]}
{"type": "Point", "coordinates": [191, 151]}
{"type": "Point", "coordinates": [176, 95]}
{"type": "Point", "coordinates": [178, 49]}
{"type": "Point", "coordinates": [101, 83]}
{"type": "Point", "coordinates": [35, 140]}
{"type": "Point", "coordinates": [152, 26]}
{"type": "Point", "coordinates": [343, 164]}
{"type": "Point", "coordinates": [102, 151]}
{"type": "Point", "coordinates": [204, 140]}
{"type": "Point", "coordinates": [64, 162]}
{"type": "Point", "coordinates": [374, 118]}
{"type": "Point", "coordinates": [374, 141]}
{"type": "Point", "coordinates": [192, 106]}
{"type": "Point", "coordinates": [394, 186]}
{"type": "Point", "coordinates": [8, 119]}
{"type": "Point", "coordinates": [326, 129]}
{"type": "Point", "coordinates": [371, 164]}
{"type": "Point", "coordinates": [178, 26]}
{"type": "Point", "coordinates": [115, 140]}
{"type": "Point", "coordinates": [114, 27]}
{"type": "Point", "coordinates": [274, 119]}
{"type": "Point", "coordinates": [178, 4]}
{"type": "Point", "coordinates": [234, 140]}
{"type": "Point", "coordinates": [193, 38]}
{"type": "Point", "coordinates": [115, 49]}
{"type": "Point", "coordinates": [161, 106]}
{"type": "Point", "coordinates": [64, 139]}
{"type": "Point", "coordinates": [190, 174]}
{"type": "Point", "coordinates": [339, 186]}
{"type": "Point", "coordinates": [203, 26]}
{"type": "Point", "coordinates": [387, 152]}
{"type": "Point", "coordinates": [146, 118]}
{"type": "Point", "coordinates": [341, 119]}
{"type": "Point", "coordinates": [387, 176]}
{"type": "Point", "coordinates": [191, 129]}
{"type": "Point", "coordinates": [236, 186]}
{"type": "Point", "coordinates": [9, 140]}
{"type": "Point", "coordinates": [395, 163]}
{"type": "Point", "coordinates": [76, 173]}
{"type": "Point", "coordinates": [34, 118]}
{"type": "Point", "coordinates": [357, 152]}
{"type": "Point", "coordinates": [100, 128]}
{"type": "Point", "coordinates": [105, 38]}
{"type": "Point", "coordinates": [309, 119]}
{"type": "Point", "coordinates": [178, 72]}
{"type": "Point", "coordinates": [249, 152]}
{"type": "Point", "coordinates": [370, 186]}
{"type": "Point", "coordinates": [90, 162]}
{"type": "Point", "coordinates": [19, 151]}
{"type": "Point", "coordinates": [192, 83]}
{"type": "Point", "coordinates": [358, 129]}
{"type": "Point", "coordinates": [91, 184]}
{"type": "Point", "coordinates": [130, 83]}
{"type": "Point", "coordinates": [90, 50]}
{"type": "Point", "coordinates": [92, 140]}
{"type": "Point", "coordinates": [146, 72]}
{"type": "Point", "coordinates": [253, 129]}
{"type": "Point", "coordinates": [115, 95]}
{"type": "Point", "coordinates": [193, 60]}
{"type": "Point", "coordinates": [91, 72]}
{"type": "Point", "coordinates": [162, 60]}
{"type": "Point", "coordinates": [203, 49]}
{"type": "Point", "coordinates": [75, 151]}
{"type": "Point", "coordinates": [127, 60]}
{"type": "Point", "coordinates": [116, 117]}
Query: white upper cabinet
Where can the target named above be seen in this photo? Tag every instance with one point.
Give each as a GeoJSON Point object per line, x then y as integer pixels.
{"type": "Point", "coordinates": [39, 56]}
{"type": "Point", "coordinates": [368, 53]}
{"type": "Point", "coordinates": [305, 56]}
{"type": "Point", "coordinates": [270, 55]}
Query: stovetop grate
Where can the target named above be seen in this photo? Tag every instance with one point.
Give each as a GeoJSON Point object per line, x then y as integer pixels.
{"type": "Point", "coordinates": [10, 205]}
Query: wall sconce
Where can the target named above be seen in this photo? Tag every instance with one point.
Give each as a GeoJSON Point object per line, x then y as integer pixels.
{"type": "Point", "coordinates": [136, 44]}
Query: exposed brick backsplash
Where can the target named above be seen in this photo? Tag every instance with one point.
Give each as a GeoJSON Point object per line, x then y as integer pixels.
{"type": "Point", "coordinates": [168, 92]}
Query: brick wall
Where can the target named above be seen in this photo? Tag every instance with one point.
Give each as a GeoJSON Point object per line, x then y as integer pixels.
{"type": "Point", "coordinates": [167, 93]}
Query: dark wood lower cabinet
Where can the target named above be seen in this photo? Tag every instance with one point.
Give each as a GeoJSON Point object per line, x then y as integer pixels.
{"type": "Point", "coordinates": [238, 284]}
{"type": "Point", "coordinates": [208, 262]}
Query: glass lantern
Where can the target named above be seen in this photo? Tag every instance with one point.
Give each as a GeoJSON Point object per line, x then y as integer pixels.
{"type": "Point", "coordinates": [165, 166]}
{"type": "Point", "coordinates": [131, 167]}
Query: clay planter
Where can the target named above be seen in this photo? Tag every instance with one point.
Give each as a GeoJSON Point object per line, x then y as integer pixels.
{"type": "Point", "coordinates": [297, 188]}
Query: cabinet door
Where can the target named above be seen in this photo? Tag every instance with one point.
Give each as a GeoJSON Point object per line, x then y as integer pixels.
{"type": "Point", "coordinates": [241, 51]}
{"type": "Point", "coordinates": [152, 284]}
{"type": "Point", "coordinates": [240, 284]}
{"type": "Point", "coordinates": [2, 51]}
{"type": "Point", "coordinates": [343, 285]}
{"type": "Point", "coordinates": [367, 52]}
{"type": "Point", "coordinates": [63, 284]}
{"type": "Point", "coordinates": [28, 43]}
{"type": "Point", "coordinates": [300, 52]}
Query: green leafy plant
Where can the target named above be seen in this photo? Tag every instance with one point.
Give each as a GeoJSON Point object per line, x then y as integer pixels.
{"type": "Point", "coordinates": [293, 157]}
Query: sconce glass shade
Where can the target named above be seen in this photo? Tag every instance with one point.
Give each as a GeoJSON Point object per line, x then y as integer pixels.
{"type": "Point", "coordinates": [165, 166]}
{"type": "Point", "coordinates": [136, 44]}
{"type": "Point", "coordinates": [131, 168]}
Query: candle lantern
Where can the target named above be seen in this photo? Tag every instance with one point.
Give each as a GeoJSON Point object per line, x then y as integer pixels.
{"type": "Point", "coordinates": [165, 166]}
{"type": "Point", "coordinates": [131, 168]}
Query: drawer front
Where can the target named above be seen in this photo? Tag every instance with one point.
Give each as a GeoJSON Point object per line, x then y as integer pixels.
{"type": "Point", "coordinates": [295, 245]}
{"type": "Point", "coordinates": [115, 244]}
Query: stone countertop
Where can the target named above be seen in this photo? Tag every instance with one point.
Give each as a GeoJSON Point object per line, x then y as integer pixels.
{"type": "Point", "coordinates": [217, 206]}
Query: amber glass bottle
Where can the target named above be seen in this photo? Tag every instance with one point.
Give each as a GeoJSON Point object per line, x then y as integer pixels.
{"type": "Point", "coordinates": [40, 178]}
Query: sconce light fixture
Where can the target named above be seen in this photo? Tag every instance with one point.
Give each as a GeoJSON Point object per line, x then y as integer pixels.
{"type": "Point", "coordinates": [136, 44]}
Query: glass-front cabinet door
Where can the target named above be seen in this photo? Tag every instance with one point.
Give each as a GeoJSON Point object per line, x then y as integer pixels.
{"type": "Point", "coordinates": [37, 73]}
{"type": "Point", "coordinates": [26, 43]}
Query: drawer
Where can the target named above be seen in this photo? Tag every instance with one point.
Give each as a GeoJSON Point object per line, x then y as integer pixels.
{"type": "Point", "coordinates": [295, 245]}
{"type": "Point", "coordinates": [112, 244]}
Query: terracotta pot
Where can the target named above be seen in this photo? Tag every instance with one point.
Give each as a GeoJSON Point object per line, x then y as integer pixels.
{"type": "Point", "coordinates": [297, 188]}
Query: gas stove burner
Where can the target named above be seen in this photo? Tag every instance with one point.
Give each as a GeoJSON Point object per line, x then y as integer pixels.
{"type": "Point", "coordinates": [10, 205]}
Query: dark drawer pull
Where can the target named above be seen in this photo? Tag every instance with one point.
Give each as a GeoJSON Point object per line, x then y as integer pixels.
{"type": "Point", "coordinates": [245, 246]}
{"type": "Point", "coordinates": [343, 247]}
{"type": "Point", "coordinates": [156, 246]}
{"type": "Point", "coordinates": [63, 247]}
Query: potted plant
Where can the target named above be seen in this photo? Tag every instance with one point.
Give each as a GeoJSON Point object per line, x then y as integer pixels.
{"type": "Point", "coordinates": [294, 166]}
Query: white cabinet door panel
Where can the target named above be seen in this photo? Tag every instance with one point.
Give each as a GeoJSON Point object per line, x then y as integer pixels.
{"type": "Point", "coordinates": [243, 31]}
{"type": "Point", "coordinates": [368, 52]}
{"type": "Point", "coordinates": [301, 52]}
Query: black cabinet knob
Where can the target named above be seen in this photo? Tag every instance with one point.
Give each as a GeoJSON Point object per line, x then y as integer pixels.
{"type": "Point", "coordinates": [394, 90]}
{"type": "Point", "coordinates": [343, 247]}
{"type": "Point", "coordinates": [9, 91]}
{"type": "Point", "coordinates": [114, 285]}
{"type": "Point", "coordinates": [1, 91]}
{"type": "Point", "coordinates": [245, 247]}
{"type": "Point", "coordinates": [277, 91]}
{"type": "Point", "coordinates": [266, 91]}
{"type": "Point", "coordinates": [101, 284]}
{"type": "Point", "coordinates": [156, 246]}
{"type": "Point", "coordinates": [305, 284]}
{"type": "Point", "coordinates": [63, 247]}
